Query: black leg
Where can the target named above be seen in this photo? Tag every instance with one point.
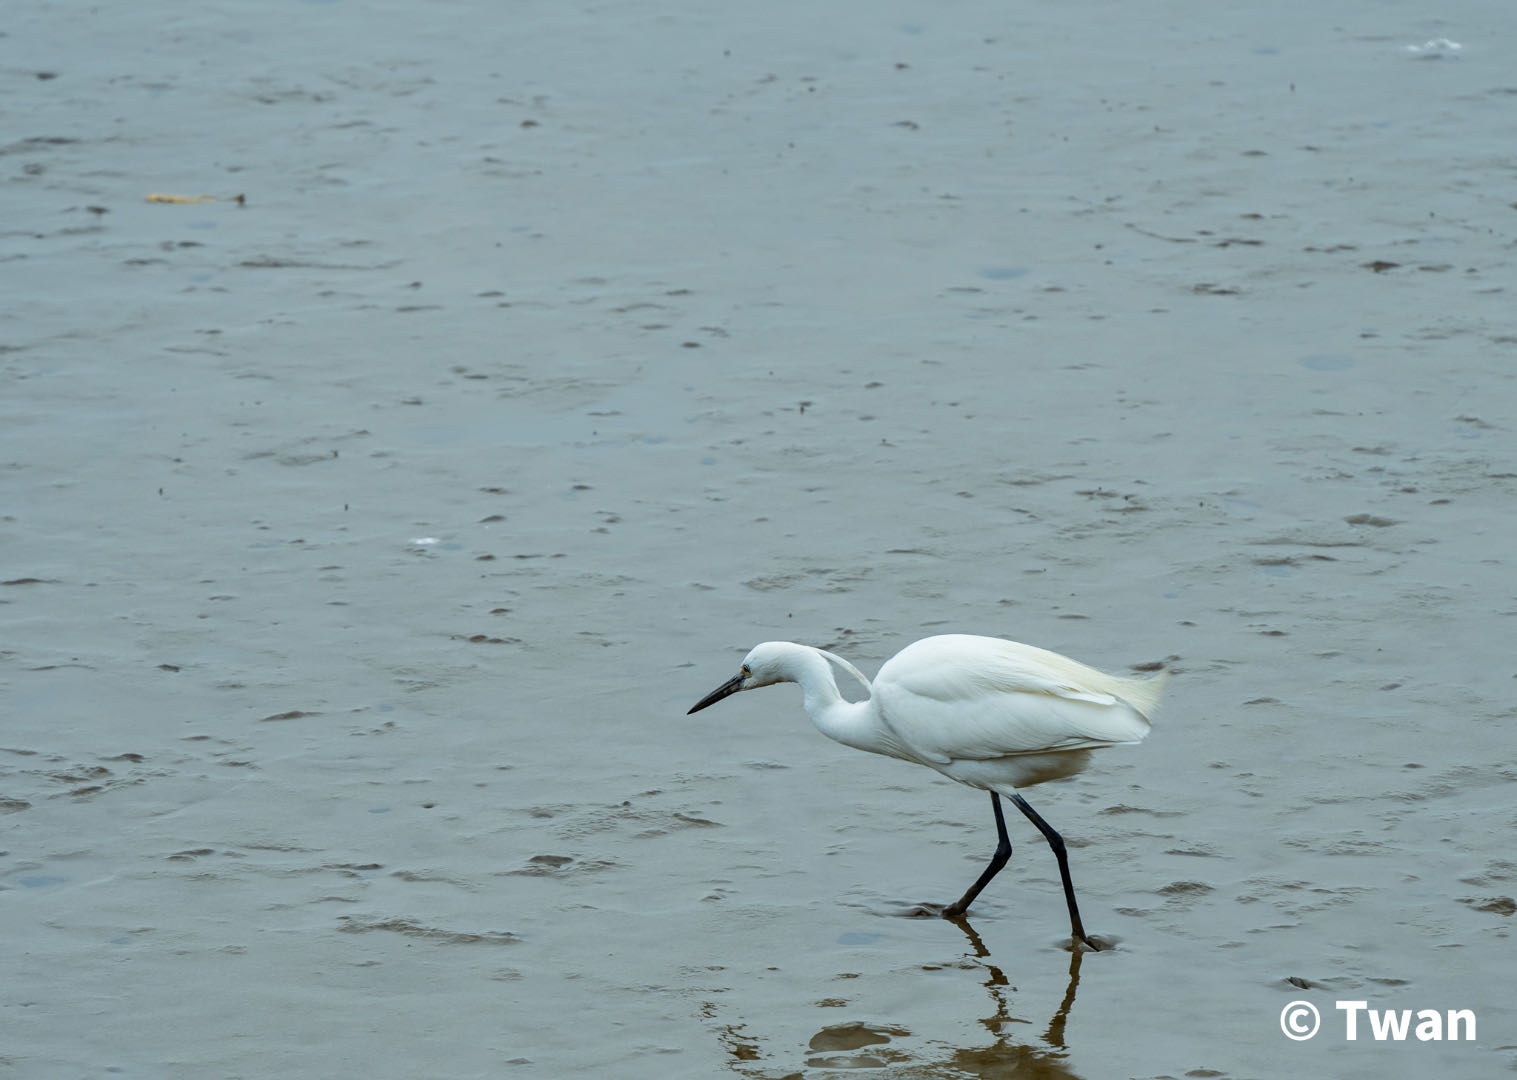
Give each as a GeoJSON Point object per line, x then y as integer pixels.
{"type": "Point", "coordinates": [998, 860]}
{"type": "Point", "coordinates": [1056, 842]}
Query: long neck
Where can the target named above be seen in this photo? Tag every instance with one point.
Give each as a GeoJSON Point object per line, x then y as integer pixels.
{"type": "Point", "coordinates": [852, 723]}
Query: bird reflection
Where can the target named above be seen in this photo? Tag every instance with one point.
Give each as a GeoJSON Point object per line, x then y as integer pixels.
{"type": "Point", "coordinates": [1008, 1057]}
{"type": "Point", "coordinates": [857, 1045]}
{"type": "Point", "coordinates": [1015, 1051]}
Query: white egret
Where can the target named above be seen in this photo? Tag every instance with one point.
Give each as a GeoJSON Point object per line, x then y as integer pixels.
{"type": "Point", "coordinates": [990, 713]}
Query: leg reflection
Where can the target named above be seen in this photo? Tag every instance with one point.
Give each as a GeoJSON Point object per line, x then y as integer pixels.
{"type": "Point", "coordinates": [918, 1045]}
{"type": "Point", "coordinates": [988, 1060]}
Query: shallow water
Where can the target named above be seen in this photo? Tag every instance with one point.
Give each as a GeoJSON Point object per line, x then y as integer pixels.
{"type": "Point", "coordinates": [366, 543]}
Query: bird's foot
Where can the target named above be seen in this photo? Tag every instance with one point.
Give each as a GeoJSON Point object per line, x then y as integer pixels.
{"type": "Point", "coordinates": [954, 913]}
{"type": "Point", "coordinates": [1082, 942]}
{"type": "Point", "coordinates": [925, 911]}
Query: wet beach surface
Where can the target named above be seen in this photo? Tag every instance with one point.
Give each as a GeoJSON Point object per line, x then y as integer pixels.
{"type": "Point", "coordinates": [366, 541]}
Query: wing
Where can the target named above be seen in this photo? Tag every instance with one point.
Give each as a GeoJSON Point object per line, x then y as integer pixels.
{"type": "Point", "coordinates": [959, 697]}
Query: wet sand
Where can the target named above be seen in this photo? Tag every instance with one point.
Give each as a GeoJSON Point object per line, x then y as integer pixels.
{"type": "Point", "coordinates": [366, 542]}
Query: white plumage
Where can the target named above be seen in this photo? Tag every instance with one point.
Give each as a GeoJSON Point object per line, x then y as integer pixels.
{"type": "Point", "coordinates": [989, 713]}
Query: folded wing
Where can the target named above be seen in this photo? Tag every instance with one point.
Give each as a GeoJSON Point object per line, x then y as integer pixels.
{"type": "Point", "coordinates": [960, 697]}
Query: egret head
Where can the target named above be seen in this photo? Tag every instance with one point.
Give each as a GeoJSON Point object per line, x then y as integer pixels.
{"type": "Point", "coordinates": [765, 665]}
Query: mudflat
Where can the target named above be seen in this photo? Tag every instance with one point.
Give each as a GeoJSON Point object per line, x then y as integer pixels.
{"type": "Point", "coordinates": [486, 379]}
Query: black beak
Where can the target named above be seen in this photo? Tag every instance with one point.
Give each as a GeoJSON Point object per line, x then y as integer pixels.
{"type": "Point", "coordinates": [727, 689]}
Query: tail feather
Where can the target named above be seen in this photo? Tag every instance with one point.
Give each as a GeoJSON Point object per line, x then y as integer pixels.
{"type": "Point", "coordinates": [1143, 693]}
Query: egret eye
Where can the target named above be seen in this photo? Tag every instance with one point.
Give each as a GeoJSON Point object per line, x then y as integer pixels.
{"type": "Point", "coordinates": [744, 671]}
